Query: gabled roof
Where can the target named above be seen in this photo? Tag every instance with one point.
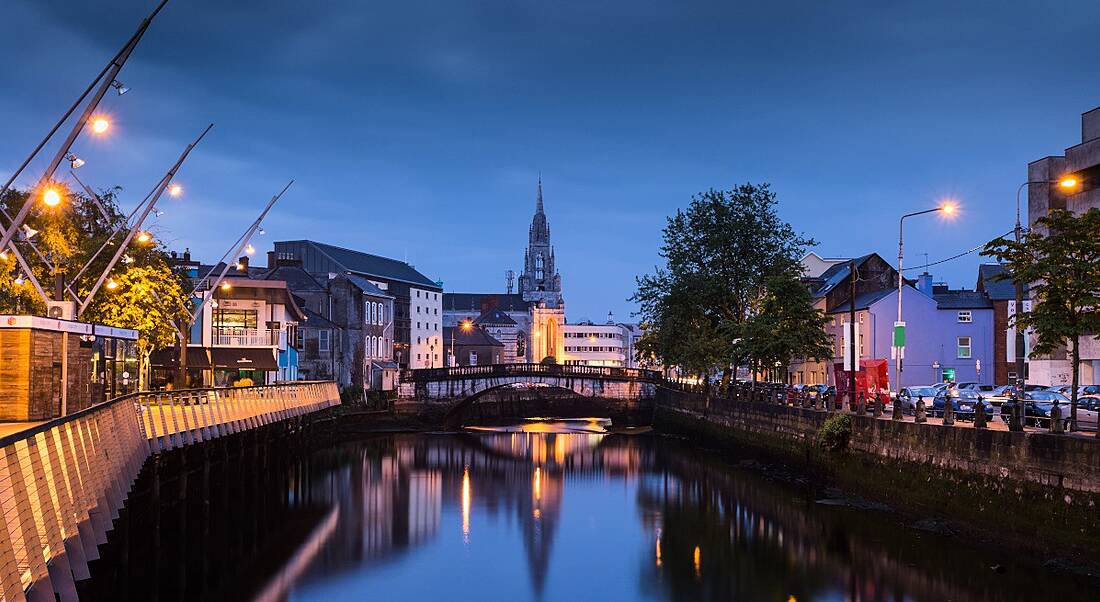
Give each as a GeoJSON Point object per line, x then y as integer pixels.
{"type": "Point", "coordinates": [508, 302]}
{"type": "Point", "coordinates": [495, 317]}
{"type": "Point", "coordinates": [835, 275]}
{"type": "Point", "coordinates": [864, 300]}
{"type": "Point", "coordinates": [992, 278]}
{"type": "Point", "coordinates": [367, 286]}
{"type": "Point", "coordinates": [316, 320]}
{"type": "Point", "coordinates": [962, 299]}
{"type": "Point", "coordinates": [372, 265]}
{"type": "Point", "coordinates": [474, 336]}
{"type": "Point", "coordinates": [297, 279]}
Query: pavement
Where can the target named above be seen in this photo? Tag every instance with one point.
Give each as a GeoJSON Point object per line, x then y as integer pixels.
{"type": "Point", "coordinates": [8, 428]}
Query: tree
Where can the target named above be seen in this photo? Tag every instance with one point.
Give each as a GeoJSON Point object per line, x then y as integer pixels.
{"type": "Point", "coordinates": [1062, 266]}
{"type": "Point", "coordinates": [147, 296]}
{"type": "Point", "coordinates": [786, 325]}
{"type": "Point", "coordinates": [719, 253]}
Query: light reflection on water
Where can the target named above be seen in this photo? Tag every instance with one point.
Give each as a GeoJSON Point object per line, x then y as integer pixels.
{"type": "Point", "coordinates": [563, 510]}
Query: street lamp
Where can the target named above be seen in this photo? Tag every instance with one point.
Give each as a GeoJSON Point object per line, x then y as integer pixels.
{"type": "Point", "coordinates": [175, 190]}
{"type": "Point", "coordinates": [949, 209]}
{"type": "Point", "coordinates": [51, 197]}
{"type": "Point", "coordinates": [1067, 183]}
{"type": "Point", "coordinates": [100, 125]}
{"type": "Point", "coordinates": [466, 326]}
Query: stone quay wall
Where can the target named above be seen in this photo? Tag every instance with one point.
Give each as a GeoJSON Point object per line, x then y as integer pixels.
{"type": "Point", "coordinates": [1038, 488]}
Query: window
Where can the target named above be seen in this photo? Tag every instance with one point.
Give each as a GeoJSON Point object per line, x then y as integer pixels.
{"type": "Point", "coordinates": [965, 317]}
{"type": "Point", "coordinates": [473, 358]}
{"type": "Point", "coordinates": [235, 318]}
{"type": "Point", "coordinates": [378, 351]}
{"type": "Point", "coordinates": [964, 348]}
{"type": "Point", "coordinates": [301, 339]}
{"type": "Point", "coordinates": [323, 340]}
{"type": "Point", "coordinates": [381, 314]}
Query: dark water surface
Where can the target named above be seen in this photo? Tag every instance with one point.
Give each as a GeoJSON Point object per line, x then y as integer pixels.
{"type": "Point", "coordinates": [548, 510]}
{"type": "Point", "coordinates": [563, 511]}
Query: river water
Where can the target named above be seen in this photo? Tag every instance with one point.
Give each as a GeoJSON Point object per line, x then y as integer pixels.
{"type": "Point", "coordinates": [565, 510]}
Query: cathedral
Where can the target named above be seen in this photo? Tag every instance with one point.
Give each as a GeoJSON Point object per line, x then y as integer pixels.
{"type": "Point", "coordinates": [529, 322]}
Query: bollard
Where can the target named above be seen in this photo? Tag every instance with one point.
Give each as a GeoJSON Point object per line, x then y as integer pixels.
{"type": "Point", "coordinates": [979, 414]}
{"type": "Point", "coordinates": [877, 410]}
{"type": "Point", "coordinates": [897, 413]}
{"type": "Point", "coordinates": [819, 401]}
{"type": "Point", "coordinates": [948, 410]}
{"type": "Point", "coordinates": [919, 411]}
{"type": "Point", "coordinates": [1015, 418]}
{"type": "Point", "coordinates": [861, 403]}
{"type": "Point", "coordinates": [1056, 425]}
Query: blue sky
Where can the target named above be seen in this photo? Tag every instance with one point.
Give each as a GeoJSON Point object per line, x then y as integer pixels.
{"type": "Point", "coordinates": [416, 129]}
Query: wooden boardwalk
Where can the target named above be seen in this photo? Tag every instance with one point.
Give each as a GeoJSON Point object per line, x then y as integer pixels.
{"type": "Point", "coordinates": [63, 482]}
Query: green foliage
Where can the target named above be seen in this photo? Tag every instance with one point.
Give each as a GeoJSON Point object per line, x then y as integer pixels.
{"type": "Point", "coordinates": [835, 432]}
{"type": "Point", "coordinates": [149, 297]}
{"type": "Point", "coordinates": [720, 254]}
{"type": "Point", "coordinates": [351, 394]}
{"type": "Point", "coordinates": [786, 325]}
{"type": "Point", "coordinates": [1060, 259]}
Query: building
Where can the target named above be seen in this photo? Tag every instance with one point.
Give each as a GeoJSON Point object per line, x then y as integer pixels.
{"type": "Point", "coordinates": [949, 334]}
{"type": "Point", "coordinates": [1002, 294]}
{"type": "Point", "coordinates": [1081, 162]}
{"type": "Point", "coordinates": [591, 344]}
{"type": "Point", "coordinates": [417, 329]}
{"type": "Point", "coordinates": [538, 309]}
{"type": "Point", "coordinates": [472, 346]}
{"type": "Point", "coordinates": [51, 367]}
{"type": "Point", "coordinates": [348, 332]}
{"type": "Point", "coordinates": [247, 331]}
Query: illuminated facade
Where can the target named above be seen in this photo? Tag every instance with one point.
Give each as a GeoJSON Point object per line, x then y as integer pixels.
{"type": "Point", "coordinates": [537, 310]}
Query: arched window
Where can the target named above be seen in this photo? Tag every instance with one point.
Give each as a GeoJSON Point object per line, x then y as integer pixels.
{"type": "Point", "coordinates": [521, 344]}
{"type": "Point", "coordinates": [538, 266]}
{"type": "Point", "coordinates": [381, 314]}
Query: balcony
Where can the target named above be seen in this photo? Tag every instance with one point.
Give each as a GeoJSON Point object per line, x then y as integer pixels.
{"type": "Point", "coordinates": [245, 337]}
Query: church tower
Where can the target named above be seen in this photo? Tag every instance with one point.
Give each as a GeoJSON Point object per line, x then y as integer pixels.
{"type": "Point", "coordinates": [540, 281]}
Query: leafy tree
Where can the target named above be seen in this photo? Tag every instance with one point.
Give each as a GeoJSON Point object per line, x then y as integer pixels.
{"type": "Point", "coordinates": [786, 325]}
{"type": "Point", "coordinates": [147, 296]}
{"type": "Point", "coordinates": [719, 253]}
{"type": "Point", "coordinates": [1061, 261]}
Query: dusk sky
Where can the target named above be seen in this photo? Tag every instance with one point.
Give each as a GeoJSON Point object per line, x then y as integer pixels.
{"type": "Point", "coordinates": [417, 129]}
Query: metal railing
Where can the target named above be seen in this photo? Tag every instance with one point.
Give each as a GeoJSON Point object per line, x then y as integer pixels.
{"type": "Point", "coordinates": [63, 482]}
{"type": "Point", "coordinates": [245, 337]}
{"type": "Point", "coordinates": [493, 370]}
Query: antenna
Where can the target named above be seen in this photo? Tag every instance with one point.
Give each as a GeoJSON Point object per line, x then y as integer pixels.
{"type": "Point", "coordinates": [509, 276]}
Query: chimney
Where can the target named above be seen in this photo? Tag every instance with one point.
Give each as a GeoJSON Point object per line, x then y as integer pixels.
{"type": "Point", "coordinates": [242, 264]}
{"type": "Point", "coordinates": [924, 283]}
{"type": "Point", "coordinates": [272, 263]}
{"type": "Point", "coordinates": [187, 255]}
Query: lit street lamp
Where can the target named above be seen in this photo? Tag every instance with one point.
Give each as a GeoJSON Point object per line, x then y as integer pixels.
{"type": "Point", "coordinates": [1068, 183]}
{"type": "Point", "coordinates": [949, 209]}
{"type": "Point", "coordinates": [466, 326]}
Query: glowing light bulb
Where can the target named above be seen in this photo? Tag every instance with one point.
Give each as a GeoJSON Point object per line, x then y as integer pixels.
{"type": "Point", "coordinates": [100, 125]}
{"type": "Point", "coordinates": [111, 284]}
{"type": "Point", "coordinates": [175, 190]}
{"type": "Point", "coordinates": [51, 197]}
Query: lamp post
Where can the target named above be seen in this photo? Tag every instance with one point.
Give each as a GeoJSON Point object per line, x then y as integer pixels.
{"type": "Point", "coordinates": [899, 326]}
{"type": "Point", "coordinates": [1017, 421]}
{"type": "Point", "coordinates": [466, 326]}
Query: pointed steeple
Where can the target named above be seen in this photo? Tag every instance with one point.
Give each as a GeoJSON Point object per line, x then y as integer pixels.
{"type": "Point", "coordinates": [538, 201]}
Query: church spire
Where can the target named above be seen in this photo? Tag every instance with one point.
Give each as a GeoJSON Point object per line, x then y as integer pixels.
{"type": "Point", "coordinates": [538, 201]}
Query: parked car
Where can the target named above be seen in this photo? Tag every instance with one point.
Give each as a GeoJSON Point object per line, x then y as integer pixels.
{"type": "Point", "coordinates": [908, 397]}
{"type": "Point", "coordinates": [1037, 406]}
{"type": "Point", "coordinates": [1088, 410]}
{"type": "Point", "coordinates": [977, 388]}
{"type": "Point", "coordinates": [1063, 389]}
{"type": "Point", "coordinates": [963, 404]}
{"type": "Point", "coordinates": [1091, 390]}
{"type": "Point", "coordinates": [815, 391]}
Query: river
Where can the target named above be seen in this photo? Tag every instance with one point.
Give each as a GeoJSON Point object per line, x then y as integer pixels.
{"type": "Point", "coordinates": [566, 510]}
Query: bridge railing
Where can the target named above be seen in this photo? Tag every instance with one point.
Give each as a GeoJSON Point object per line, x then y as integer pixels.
{"type": "Point", "coordinates": [490, 370]}
{"type": "Point", "coordinates": [63, 482]}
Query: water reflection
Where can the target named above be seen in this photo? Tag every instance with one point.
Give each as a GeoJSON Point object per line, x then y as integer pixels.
{"type": "Point", "coordinates": [566, 511]}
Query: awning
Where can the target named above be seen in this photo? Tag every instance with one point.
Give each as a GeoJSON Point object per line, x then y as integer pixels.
{"type": "Point", "coordinates": [244, 358]}
{"type": "Point", "coordinates": [169, 358]}
{"type": "Point", "coordinates": [384, 365]}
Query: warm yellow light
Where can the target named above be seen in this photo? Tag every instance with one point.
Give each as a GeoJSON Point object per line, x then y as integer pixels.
{"type": "Point", "coordinates": [466, 504]}
{"type": "Point", "coordinates": [100, 125]}
{"type": "Point", "coordinates": [144, 237]}
{"type": "Point", "coordinates": [51, 197]}
{"type": "Point", "coordinates": [949, 209]}
{"type": "Point", "coordinates": [4, 255]}
{"type": "Point", "coordinates": [536, 484]}
{"type": "Point", "coordinates": [658, 550]}
{"type": "Point", "coordinates": [226, 286]}
{"type": "Point", "coordinates": [240, 267]}
{"type": "Point", "coordinates": [592, 339]}
{"type": "Point", "coordinates": [175, 190]}
{"type": "Point", "coordinates": [111, 284]}
{"type": "Point", "coordinates": [250, 250]}
{"type": "Point", "coordinates": [1068, 182]}
{"type": "Point", "coordinates": [467, 326]}
{"type": "Point", "coordinates": [696, 560]}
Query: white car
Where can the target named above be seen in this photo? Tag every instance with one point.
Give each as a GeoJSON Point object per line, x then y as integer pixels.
{"type": "Point", "coordinates": [1088, 408]}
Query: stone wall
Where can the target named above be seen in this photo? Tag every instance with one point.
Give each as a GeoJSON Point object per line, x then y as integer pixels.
{"type": "Point", "coordinates": [1032, 486]}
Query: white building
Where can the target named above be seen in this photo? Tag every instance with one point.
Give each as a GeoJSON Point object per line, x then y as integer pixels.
{"type": "Point", "coordinates": [590, 344]}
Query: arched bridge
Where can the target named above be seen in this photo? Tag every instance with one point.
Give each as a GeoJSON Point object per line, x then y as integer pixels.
{"type": "Point", "coordinates": [605, 391]}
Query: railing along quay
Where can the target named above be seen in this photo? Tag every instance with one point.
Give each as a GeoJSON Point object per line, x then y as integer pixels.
{"type": "Point", "coordinates": [496, 370]}
{"type": "Point", "coordinates": [63, 482]}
